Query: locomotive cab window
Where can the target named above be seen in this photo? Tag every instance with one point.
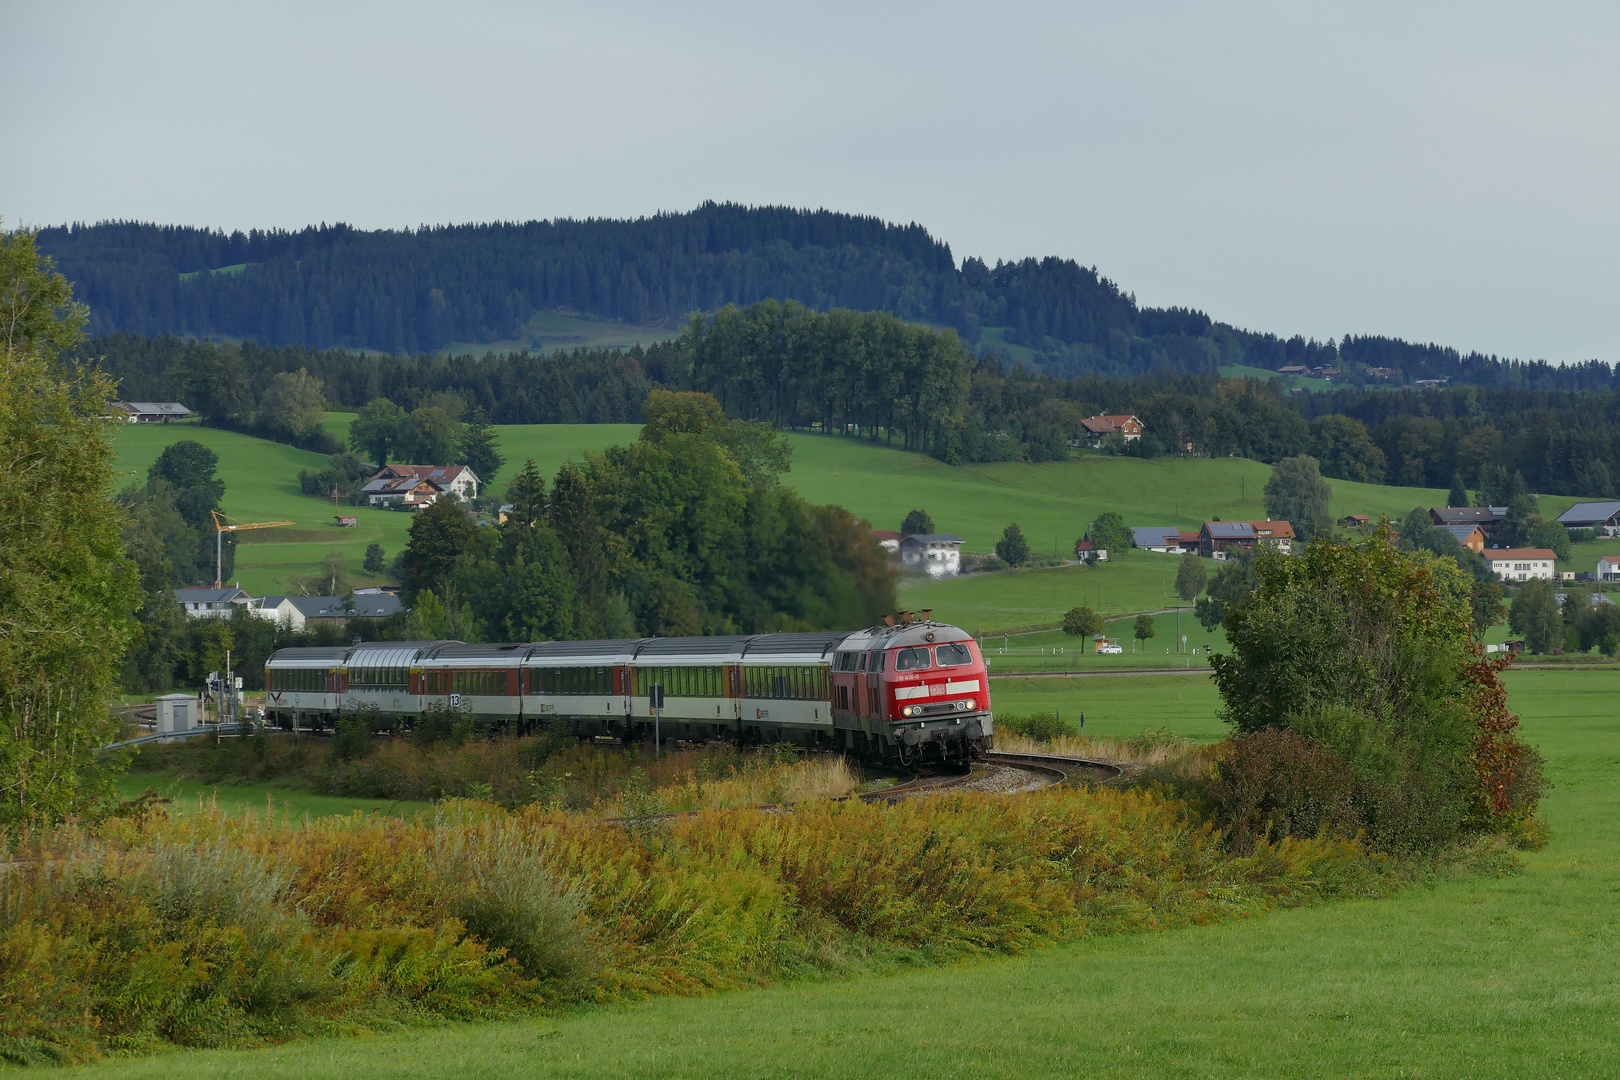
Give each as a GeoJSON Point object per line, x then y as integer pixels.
{"type": "Point", "coordinates": [914, 659]}
{"type": "Point", "coordinates": [953, 654]}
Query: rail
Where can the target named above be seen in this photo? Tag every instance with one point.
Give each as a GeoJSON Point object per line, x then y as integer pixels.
{"type": "Point", "coordinates": [223, 730]}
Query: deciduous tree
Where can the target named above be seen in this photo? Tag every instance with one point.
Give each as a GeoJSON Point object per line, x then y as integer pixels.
{"type": "Point", "coordinates": [67, 592]}
{"type": "Point", "coordinates": [1191, 577]}
{"type": "Point", "coordinates": [1296, 493]}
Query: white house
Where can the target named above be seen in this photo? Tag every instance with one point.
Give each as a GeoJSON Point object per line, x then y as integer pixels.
{"type": "Point", "coordinates": [459, 480]}
{"type": "Point", "coordinates": [1521, 564]}
{"type": "Point", "coordinates": [937, 554]}
{"type": "Point", "coordinates": [1608, 568]}
{"type": "Point", "coordinates": [212, 603]}
{"type": "Point", "coordinates": [1087, 552]}
{"type": "Point", "coordinates": [296, 612]}
{"type": "Point", "coordinates": [1156, 538]}
{"type": "Point", "coordinates": [887, 539]}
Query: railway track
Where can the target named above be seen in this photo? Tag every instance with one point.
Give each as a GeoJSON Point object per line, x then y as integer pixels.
{"type": "Point", "coordinates": [1047, 769]}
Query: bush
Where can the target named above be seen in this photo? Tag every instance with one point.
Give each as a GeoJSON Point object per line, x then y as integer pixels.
{"type": "Point", "coordinates": [1277, 783]}
{"type": "Point", "coordinates": [1043, 726]}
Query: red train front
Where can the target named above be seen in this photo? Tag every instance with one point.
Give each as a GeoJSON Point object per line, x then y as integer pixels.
{"type": "Point", "coordinates": [912, 692]}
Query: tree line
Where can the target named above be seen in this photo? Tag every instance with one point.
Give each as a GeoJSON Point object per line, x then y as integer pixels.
{"type": "Point", "coordinates": [419, 291]}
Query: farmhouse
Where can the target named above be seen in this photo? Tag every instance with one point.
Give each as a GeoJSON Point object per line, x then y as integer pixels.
{"type": "Point", "coordinates": [1602, 516]}
{"type": "Point", "coordinates": [1488, 518]}
{"type": "Point", "coordinates": [149, 412]}
{"type": "Point", "coordinates": [1521, 564]}
{"type": "Point", "coordinates": [936, 554]}
{"type": "Point", "coordinates": [1608, 568]}
{"type": "Point", "coordinates": [1218, 537]}
{"type": "Point", "coordinates": [1293, 369]}
{"type": "Point", "coordinates": [459, 480]}
{"type": "Point", "coordinates": [1100, 427]}
{"type": "Point", "coordinates": [1156, 538]}
{"type": "Point", "coordinates": [402, 491]}
{"type": "Point", "coordinates": [202, 603]}
{"type": "Point", "coordinates": [1355, 521]}
{"type": "Point", "coordinates": [298, 612]}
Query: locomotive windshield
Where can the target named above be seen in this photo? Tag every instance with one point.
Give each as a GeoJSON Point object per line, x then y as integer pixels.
{"type": "Point", "coordinates": [952, 655]}
{"type": "Point", "coordinates": [911, 659]}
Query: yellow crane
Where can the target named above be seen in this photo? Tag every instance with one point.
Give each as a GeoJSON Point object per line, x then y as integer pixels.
{"type": "Point", "coordinates": [221, 528]}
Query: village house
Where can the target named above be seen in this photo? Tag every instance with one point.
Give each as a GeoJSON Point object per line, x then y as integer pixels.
{"type": "Point", "coordinates": [201, 603]}
{"type": "Point", "coordinates": [405, 492]}
{"type": "Point", "coordinates": [1602, 516]}
{"type": "Point", "coordinates": [1471, 537]}
{"type": "Point", "coordinates": [1293, 369]}
{"type": "Point", "coordinates": [1608, 568]}
{"type": "Point", "coordinates": [1087, 552]}
{"type": "Point", "coordinates": [298, 612]}
{"type": "Point", "coordinates": [1521, 564]}
{"type": "Point", "coordinates": [1216, 538]}
{"type": "Point", "coordinates": [458, 480]}
{"type": "Point", "coordinates": [149, 412]}
{"type": "Point", "coordinates": [1355, 521]}
{"type": "Point", "coordinates": [1488, 518]}
{"type": "Point", "coordinates": [887, 539]}
{"type": "Point", "coordinates": [936, 554]}
{"type": "Point", "coordinates": [1099, 428]}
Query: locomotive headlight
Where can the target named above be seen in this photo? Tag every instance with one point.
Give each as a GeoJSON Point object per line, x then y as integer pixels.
{"type": "Point", "coordinates": [908, 710]}
{"type": "Point", "coordinates": [965, 705]}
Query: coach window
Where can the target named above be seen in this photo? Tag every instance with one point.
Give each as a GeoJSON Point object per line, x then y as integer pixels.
{"type": "Point", "coordinates": [952, 654]}
{"type": "Point", "coordinates": [915, 659]}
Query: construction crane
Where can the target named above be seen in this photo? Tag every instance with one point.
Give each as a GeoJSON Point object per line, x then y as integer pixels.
{"type": "Point", "coordinates": [220, 529]}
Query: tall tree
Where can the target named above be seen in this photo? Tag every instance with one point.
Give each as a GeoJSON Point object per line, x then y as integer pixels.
{"type": "Point", "coordinates": [376, 428]}
{"type": "Point", "coordinates": [1110, 533]}
{"type": "Point", "coordinates": [477, 447]}
{"type": "Point", "coordinates": [439, 536]}
{"type": "Point", "coordinates": [917, 523]}
{"type": "Point", "coordinates": [1191, 577]}
{"type": "Point", "coordinates": [1012, 548]}
{"type": "Point", "coordinates": [67, 592]}
{"type": "Point", "coordinates": [573, 516]}
{"type": "Point", "coordinates": [428, 437]}
{"type": "Point", "coordinates": [1535, 614]}
{"type": "Point", "coordinates": [293, 403]}
{"type": "Point", "coordinates": [1296, 493]}
{"type": "Point", "coordinates": [1458, 495]}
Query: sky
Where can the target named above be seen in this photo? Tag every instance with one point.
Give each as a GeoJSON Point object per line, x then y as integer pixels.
{"type": "Point", "coordinates": [1438, 172]}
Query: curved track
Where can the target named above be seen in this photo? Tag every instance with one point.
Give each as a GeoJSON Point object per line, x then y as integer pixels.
{"type": "Point", "coordinates": [1046, 770]}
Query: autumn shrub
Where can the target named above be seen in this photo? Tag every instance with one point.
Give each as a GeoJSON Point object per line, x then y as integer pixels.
{"type": "Point", "coordinates": [1278, 783]}
{"type": "Point", "coordinates": [208, 929]}
{"type": "Point", "coordinates": [1367, 653]}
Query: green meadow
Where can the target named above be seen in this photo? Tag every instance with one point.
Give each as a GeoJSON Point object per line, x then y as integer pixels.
{"type": "Point", "coordinates": [1052, 503]}
{"type": "Point", "coordinates": [1505, 975]}
{"type": "Point", "coordinates": [262, 799]}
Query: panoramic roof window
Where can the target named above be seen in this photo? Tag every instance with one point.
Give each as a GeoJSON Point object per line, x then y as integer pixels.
{"type": "Point", "coordinates": [912, 660]}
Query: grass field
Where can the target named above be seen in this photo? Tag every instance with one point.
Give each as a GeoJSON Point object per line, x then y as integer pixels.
{"type": "Point", "coordinates": [1244, 371]}
{"type": "Point", "coordinates": [261, 799]}
{"type": "Point", "coordinates": [1469, 977]}
{"type": "Point", "coordinates": [1052, 502]}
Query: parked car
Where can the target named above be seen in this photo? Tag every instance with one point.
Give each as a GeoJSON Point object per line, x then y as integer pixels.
{"type": "Point", "coordinates": [1111, 649]}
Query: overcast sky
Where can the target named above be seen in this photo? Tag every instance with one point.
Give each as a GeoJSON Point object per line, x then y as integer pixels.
{"type": "Point", "coordinates": [1442, 172]}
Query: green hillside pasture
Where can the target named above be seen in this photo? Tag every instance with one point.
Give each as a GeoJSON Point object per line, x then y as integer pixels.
{"type": "Point", "coordinates": [548, 444]}
{"type": "Point", "coordinates": [1244, 371]}
{"type": "Point", "coordinates": [261, 484]}
{"type": "Point", "coordinates": [1054, 501]}
{"type": "Point", "coordinates": [548, 332]}
{"type": "Point", "coordinates": [1014, 599]}
{"type": "Point", "coordinates": [262, 799]}
{"type": "Point", "coordinates": [1497, 976]}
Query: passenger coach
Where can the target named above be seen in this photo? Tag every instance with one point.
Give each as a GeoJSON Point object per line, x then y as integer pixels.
{"type": "Point", "coordinates": [908, 692]}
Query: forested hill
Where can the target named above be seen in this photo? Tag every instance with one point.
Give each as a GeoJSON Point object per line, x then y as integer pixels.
{"type": "Point", "coordinates": [419, 291]}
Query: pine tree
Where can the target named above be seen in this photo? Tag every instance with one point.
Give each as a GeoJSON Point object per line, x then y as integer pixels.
{"type": "Point", "coordinates": [1012, 548]}
{"type": "Point", "coordinates": [1458, 496]}
{"type": "Point", "coordinates": [478, 447]}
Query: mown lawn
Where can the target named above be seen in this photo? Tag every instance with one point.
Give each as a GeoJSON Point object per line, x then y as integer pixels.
{"type": "Point", "coordinates": [1473, 976]}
